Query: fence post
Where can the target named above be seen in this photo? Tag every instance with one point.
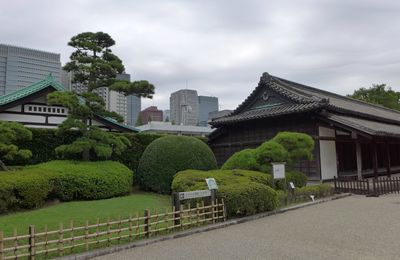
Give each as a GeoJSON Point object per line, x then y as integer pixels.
{"type": "Point", "coordinates": [147, 223]}
{"type": "Point", "coordinates": [223, 209]}
{"type": "Point", "coordinates": [31, 242]}
{"type": "Point", "coordinates": [335, 184]}
{"type": "Point", "coordinates": [1, 245]}
{"type": "Point", "coordinates": [177, 204]}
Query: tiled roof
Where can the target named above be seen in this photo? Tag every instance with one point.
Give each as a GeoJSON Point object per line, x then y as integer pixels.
{"type": "Point", "coordinates": [307, 98]}
{"type": "Point", "coordinates": [21, 93]}
{"type": "Point", "coordinates": [370, 127]}
{"type": "Point", "coordinates": [267, 112]}
{"type": "Point", "coordinates": [115, 122]}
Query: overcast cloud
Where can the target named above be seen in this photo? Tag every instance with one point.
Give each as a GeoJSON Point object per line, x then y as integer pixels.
{"type": "Point", "coordinates": [221, 48]}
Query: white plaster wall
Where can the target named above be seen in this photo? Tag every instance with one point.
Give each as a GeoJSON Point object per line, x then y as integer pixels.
{"type": "Point", "coordinates": [326, 132]}
{"type": "Point", "coordinates": [327, 150]}
{"type": "Point", "coordinates": [56, 120]}
{"type": "Point", "coordinates": [14, 109]}
{"type": "Point", "coordinates": [22, 118]}
{"type": "Point", "coordinates": [328, 159]}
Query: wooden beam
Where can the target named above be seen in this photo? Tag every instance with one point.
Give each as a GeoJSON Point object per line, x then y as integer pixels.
{"type": "Point", "coordinates": [359, 160]}
{"type": "Point", "coordinates": [375, 159]}
{"type": "Point", "coordinates": [388, 159]}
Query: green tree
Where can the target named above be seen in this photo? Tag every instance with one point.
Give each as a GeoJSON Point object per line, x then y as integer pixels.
{"type": "Point", "coordinates": [378, 94]}
{"type": "Point", "coordinates": [12, 132]}
{"type": "Point", "coordinates": [94, 66]}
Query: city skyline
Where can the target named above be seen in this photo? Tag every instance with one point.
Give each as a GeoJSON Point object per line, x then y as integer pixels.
{"type": "Point", "coordinates": [223, 47]}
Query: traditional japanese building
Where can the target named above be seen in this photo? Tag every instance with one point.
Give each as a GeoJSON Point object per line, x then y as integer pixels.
{"type": "Point", "coordinates": [352, 138]}
{"type": "Point", "coordinates": [28, 106]}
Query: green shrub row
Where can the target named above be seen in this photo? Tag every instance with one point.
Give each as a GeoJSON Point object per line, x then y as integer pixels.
{"type": "Point", "coordinates": [64, 180]}
{"type": "Point", "coordinates": [319, 191]}
{"type": "Point", "coordinates": [299, 179]}
{"type": "Point", "coordinates": [245, 192]}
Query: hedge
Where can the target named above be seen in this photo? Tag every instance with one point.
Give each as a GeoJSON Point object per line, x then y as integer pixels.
{"type": "Point", "coordinates": [299, 179]}
{"type": "Point", "coordinates": [166, 156]}
{"type": "Point", "coordinates": [245, 192]}
{"type": "Point", "coordinates": [65, 180]}
{"type": "Point", "coordinates": [319, 191]}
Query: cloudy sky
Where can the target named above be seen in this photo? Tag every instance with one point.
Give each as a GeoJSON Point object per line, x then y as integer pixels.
{"type": "Point", "coordinates": [221, 48]}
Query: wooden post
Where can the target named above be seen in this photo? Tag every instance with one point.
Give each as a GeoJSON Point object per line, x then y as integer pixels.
{"type": "Point", "coordinates": [61, 240]}
{"type": "Point", "coordinates": [1, 245]}
{"type": "Point", "coordinates": [359, 160]}
{"type": "Point", "coordinates": [147, 223]}
{"type": "Point", "coordinates": [212, 212]}
{"type": "Point", "coordinates": [177, 204]}
{"type": "Point", "coordinates": [32, 242]}
{"type": "Point", "coordinates": [375, 160]}
{"type": "Point", "coordinates": [224, 209]}
{"type": "Point", "coordinates": [388, 162]}
{"type": "Point", "coordinates": [86, 235]}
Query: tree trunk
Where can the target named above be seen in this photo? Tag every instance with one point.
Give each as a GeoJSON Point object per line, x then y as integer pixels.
{"type": "Point", "coordinates": [3, 167]}
{"type": "Point", "coordinates": [86, 155]}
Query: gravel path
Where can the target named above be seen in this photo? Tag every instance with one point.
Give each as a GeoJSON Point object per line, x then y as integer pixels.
{"type": "Point", "coordinates": [355, 227]}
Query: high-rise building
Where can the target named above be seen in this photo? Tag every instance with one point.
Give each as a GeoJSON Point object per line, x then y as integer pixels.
{"type": "Point", "coordinates": [206, 106]}
{"type": "Point", "coordinates": [21, 67]}
{"type": "Point", "coordinates": [133, 103]}
{"type": "Point", "coordinates": [184, 106]}
{"type": "Point", "coordinates": [126, 106]}
{"type": "Point", "coordinates": [151, 114]}
{"type": "Point", "coordinates": [167, 115]}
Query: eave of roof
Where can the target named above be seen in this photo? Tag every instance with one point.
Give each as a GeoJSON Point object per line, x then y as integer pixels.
{"type": "Point", "coordinates": [49, 81]}
{"type": "Point", "coordinates": [267, 112]}
{"type": "Point", "coordinates": [117, 124]}
{"type": "Point", "coordinates": [317, 98]}
{"type": "Point", "coordinates": [370, 127]}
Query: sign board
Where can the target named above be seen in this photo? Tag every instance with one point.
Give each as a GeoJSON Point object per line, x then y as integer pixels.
{"type": "Point", "coordinates": [212, 184]}
{"type": "Point", "coordinates": [291, 184]}
{"type": "Point", "coordinates": [194, 194]}
{"type": "Point", "coordinates": [278, 170]}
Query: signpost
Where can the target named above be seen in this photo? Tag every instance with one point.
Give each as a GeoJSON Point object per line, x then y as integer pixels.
{"type": "Point", "coordinates": [177, 197]}
{"type": "Point", "coordinates": [278, 171]}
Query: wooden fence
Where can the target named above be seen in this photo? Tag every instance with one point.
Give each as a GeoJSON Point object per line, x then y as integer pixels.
{"type": "Point", "coordinates": [352, 186]}
{"type": "Point", "coordinates": [375, 187]}
{"type": "Point", "coordinates": [75, 239]}
{"type": "Point", "coordinates": [386, 186]}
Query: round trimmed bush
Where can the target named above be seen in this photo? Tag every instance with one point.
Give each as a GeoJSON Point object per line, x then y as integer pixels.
{"type": "Point", "coordinates": [166, 156]}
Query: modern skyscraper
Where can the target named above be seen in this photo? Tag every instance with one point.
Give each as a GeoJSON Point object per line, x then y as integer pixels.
{"type": "Point", "coordinates": [206, 105]}
{"type": "Point", "coordinates": [167, 115]}
{"type": "Point", "coordinates": [133, 103]}
{"type": "Point", "coordinates": [21, 67]}
{"type": "Point", "coordinates": [184, 106]}
{"type": "Point", "coordinates": [126, 106]}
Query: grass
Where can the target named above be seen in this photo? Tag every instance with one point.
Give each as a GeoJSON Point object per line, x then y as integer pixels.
{"type": "Point", "coordinates": [80, 211]}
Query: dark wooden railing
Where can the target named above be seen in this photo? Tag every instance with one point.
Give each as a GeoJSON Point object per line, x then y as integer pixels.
{"type": "Point", "coordinates": [374, 187]}
{"type": "Point", "coordinates": [352, 186]}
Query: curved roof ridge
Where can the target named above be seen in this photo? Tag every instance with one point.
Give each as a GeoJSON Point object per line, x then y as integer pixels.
{"type": "Point", "coordinates": [338, 95]}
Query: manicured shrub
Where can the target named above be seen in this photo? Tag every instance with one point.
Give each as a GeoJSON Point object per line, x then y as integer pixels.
{"type": "Point", "coordinates": [245, 160]}
{"type": "Point", "coordinates": [66, 180]}
{"type": "Point", "coordinates": [88, 180]}
{"type": "Point", "coordinates": [319, 191]}
{"type": "Point", "coordinates": [244, 200]}
{"type": "Point", "coordinates": [299, 179]}
{"type": "Point", "coordinates": [299, 146]}
{"type": "Point", "coordinates": [168, 155]}
{"type": "Point", "coordinates": [270, 151]}
{"type": "Point", "coordinates": [190, 180]}
{"type": "Point", "coordinates": [245, 192]}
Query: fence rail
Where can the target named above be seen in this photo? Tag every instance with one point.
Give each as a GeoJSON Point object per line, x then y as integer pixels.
{"type": "Point", "coordinates": [74, 239]}
{"type": "Point", "coordinates": [375, 187]}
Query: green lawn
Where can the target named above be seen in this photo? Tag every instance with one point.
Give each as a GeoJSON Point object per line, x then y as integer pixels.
{"type": "Point", "coordinates": [80, 211]}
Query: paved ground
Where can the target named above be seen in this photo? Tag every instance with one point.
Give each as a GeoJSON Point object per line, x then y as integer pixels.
{"type": "Point", "coordinates": [350, 228]}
